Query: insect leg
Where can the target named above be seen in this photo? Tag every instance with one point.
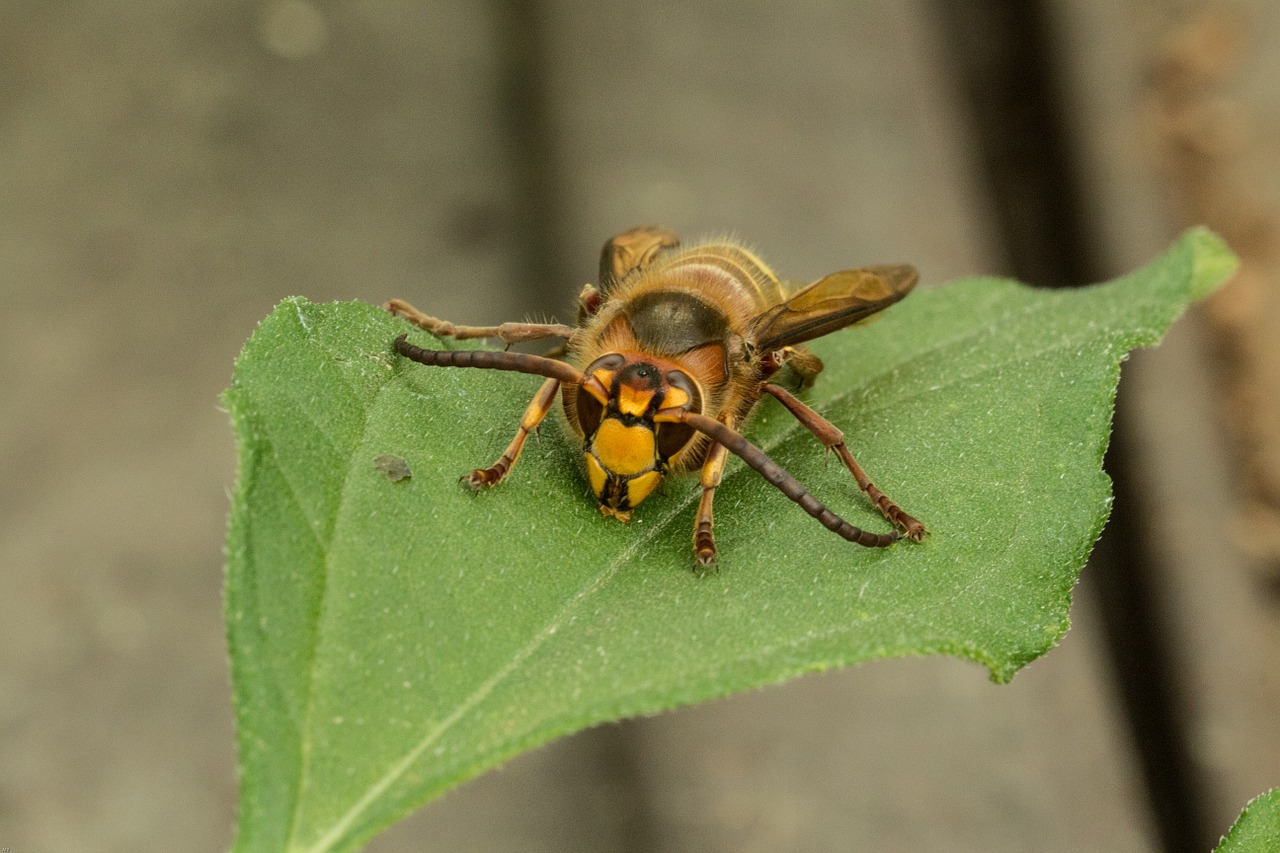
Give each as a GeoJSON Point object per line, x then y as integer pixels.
{"type": "Point", "coordinates": [704, 541]}
{"type": "Point", "coordinates": [831, 437]}
{"type": "Point", "coordinates": [555, 371]}
{"type": "Point", "coordinates": [589, 301]}
{"type": "Point", "coordinates": [509, 333]}
{"type": "Point", "coordinates": [533, 415]}
{"type": "Point", "coordinates": [805, 364]}
{"type": "Point", "coordinates": [632, 250]}
{"type": "Point", "coordinates": [774, 473]}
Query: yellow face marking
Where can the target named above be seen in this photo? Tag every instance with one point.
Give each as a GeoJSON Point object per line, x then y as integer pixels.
{"type": "Point", "coordinates": [633, 401]}
{"type": "Point", "coordinates": [675, 399]}
{"type": "Point", "coordinates": [639, 488]}
{"type": "Point", "coordinates": [624, 450]}
{"type": "Point", "coordinates": [597, 390]}
{"type": "Point", "coordinates": [596, 475]}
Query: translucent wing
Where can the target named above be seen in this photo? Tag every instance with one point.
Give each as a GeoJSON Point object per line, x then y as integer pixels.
{"type": "Point", "coordinates": [831, 303]}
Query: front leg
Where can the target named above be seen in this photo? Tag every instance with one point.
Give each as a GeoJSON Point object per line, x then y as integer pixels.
{"type": "Point", "coordinates": [831, 437]}
{"type": "Point", "coordinates": [704, 541]}
{"type": "Point", "coordinates": [509, 333]}
{"type": "Point", "coordinates": [538, 408]}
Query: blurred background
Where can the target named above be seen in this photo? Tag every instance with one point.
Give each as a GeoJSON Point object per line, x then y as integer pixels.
{"type": "Point", "coordinates": [170, 170]}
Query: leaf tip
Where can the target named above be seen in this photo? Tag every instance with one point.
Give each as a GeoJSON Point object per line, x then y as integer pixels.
{"type": "Point", "coordinates": [1213, 262]}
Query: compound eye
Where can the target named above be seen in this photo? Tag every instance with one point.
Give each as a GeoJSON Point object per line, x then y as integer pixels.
{"type": "Point", "coordinates": [682, 392]}
{"type": "Point", "coordinates": [589, 413]}
{"type": "Point", "coordinates": [672, 438]}
{"type": "Point", "coordinates": [588, 407]}
{"type": "Point", "coordinates": [604, 367]}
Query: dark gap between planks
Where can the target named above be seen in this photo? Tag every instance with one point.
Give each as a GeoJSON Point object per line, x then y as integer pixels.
{"type": "Point", "coordinates": [530, 135]}
{"type": "Point", "coordinates": [1004, 56]}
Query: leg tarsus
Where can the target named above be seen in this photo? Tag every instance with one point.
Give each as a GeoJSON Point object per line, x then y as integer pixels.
{"type": "Point", "coordinates": [537, 409]}
{"type": "Point", "coordinates": [833, 439]}
{"type": "Point", "coordinates": [913, 529]}
{"type": "Point", "coordinates": [704, 540]}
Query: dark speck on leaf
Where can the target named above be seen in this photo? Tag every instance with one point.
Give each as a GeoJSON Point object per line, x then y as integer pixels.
{"type": "Point", "coordinates": [393, 466]}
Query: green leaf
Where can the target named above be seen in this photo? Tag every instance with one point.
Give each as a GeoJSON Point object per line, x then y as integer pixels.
{"type": "Point", "coordinates": [1258, 828]}
{"type": "Point", "coordinates": [392, 636]}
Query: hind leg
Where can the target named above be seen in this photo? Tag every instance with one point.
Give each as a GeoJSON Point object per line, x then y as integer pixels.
{"type": "Point", "coordinates": [831, 437]}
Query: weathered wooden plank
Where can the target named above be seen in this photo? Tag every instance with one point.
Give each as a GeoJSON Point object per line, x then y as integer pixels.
{"type": "Point", "coordinates": [908, 755]}
{"type": "Point", "coordinates": [1176, 118]}
{"type": "Point", "coordinates": [823, 137]}
{"type": "Point", "coordinates": [168, 171]}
